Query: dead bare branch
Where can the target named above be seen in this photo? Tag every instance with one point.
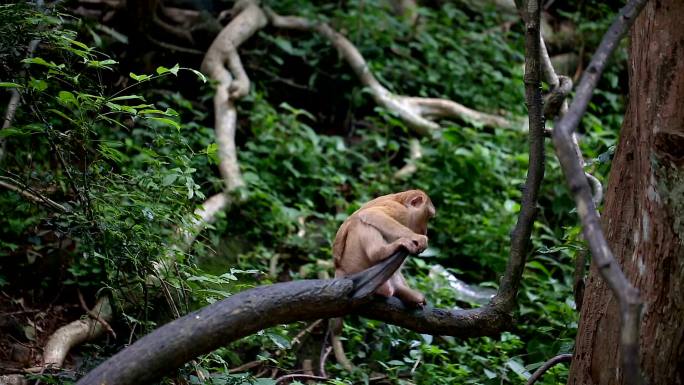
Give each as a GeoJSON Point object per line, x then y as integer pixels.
{"type": "Point", "coordinates": [29, 194]}
{"type": "Point", "coordinates": [14, 102]}
{"type": "Point", "coordinates": [416, 112]}
{"type": "Point", "coordinates": [232, 84]}
{"type": "Point", "coordinates": [415, 153]}
{"type": "Point", "coordinates": [625, 293]}
{"type": "Point", "coordinates": [75, 333]}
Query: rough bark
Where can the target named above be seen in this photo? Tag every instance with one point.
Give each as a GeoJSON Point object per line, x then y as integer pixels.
{"type": "Point", "coordinates": [644, 212]}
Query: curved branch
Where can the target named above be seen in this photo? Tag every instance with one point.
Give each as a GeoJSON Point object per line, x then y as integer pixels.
{"type": "Point", "coordinates": [232, 84]}
{"type": "Point", "coordinates": [76, 333]}
{"type": "Point", "coordinates": [548, 365]}
{"type": "Point", "coordinates": [626, 294]}
{"type": "Point", "coordinates": [556, 104]}
{"type": "Point", "coordinates": [415, 112]}
{"type": "Point", "coordinates": [245, 313]}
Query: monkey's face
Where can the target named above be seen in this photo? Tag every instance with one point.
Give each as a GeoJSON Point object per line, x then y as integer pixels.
{"type": "Point", "coordinates": [420, 213]}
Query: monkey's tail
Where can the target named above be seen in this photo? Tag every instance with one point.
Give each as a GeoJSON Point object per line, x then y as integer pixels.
{"type": "Point", "coordinates": [367, 281]}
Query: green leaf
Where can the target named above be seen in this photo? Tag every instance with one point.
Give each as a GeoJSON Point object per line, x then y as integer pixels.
{"type": "Point", "coordinates": [67, 98]}
{"type": "Point", "coordinates": [111, 153]}
{"type": "Point", "coordinates": [63, 115]}
{"type": "Point", "coordinates": [170, 122]}
{"type": "Point", "coordinates": [106, 64]}
{"type": "Point", "coordinates": [38, 61]}
{"type": "Point", "coordinates": [171, 112]}
{"type": "Point", "coordinates": [38, 84]}
{"type": "Point", "coordinates": [10, 85]}
{"type": "Point", "coordinates": [150, 111]}
{"type": "Point", "coordinates": [139, 78]}
{"type": "Point", "coordinates": [11, 131]}
{"type": "Point", "coordinates": [212, 153]}
{"type": "Point", "coordinates": [169, 179]}
{"type": "Point", "coordinates": [162, 70]}
{"type": "Point", "coordinates": [518, 368]}
{"type": "Point", "coordinates": [126, 97]}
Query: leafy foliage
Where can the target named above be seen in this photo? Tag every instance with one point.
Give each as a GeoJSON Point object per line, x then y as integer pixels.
{"type": "Point", "coordinates": [130, 157]}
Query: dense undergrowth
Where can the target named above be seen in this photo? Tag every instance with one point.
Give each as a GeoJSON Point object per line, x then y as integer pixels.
{"type": "Point", "coordinates": [130, 156]}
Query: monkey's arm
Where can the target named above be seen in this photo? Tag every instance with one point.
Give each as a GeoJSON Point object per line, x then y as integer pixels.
{"type": "Point", "coordinates": [390, 228]}
{"type": "Point", "coordinates": [376, 248]}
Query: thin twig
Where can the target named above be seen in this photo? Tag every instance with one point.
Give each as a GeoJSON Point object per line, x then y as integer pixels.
{"type": "Point", "coordinates": [520, 237]}
{"type": "Point", "coordinates": [307, 330]}
{"type": "Point", "coordinates": [626, 294]}
{"type": "Point", "coordinates": [94, 315]}
{"type": "Point", "coordinates": [30, 194]}
{"type": "Point", "coordinates": [324, 357]}
{"type": "Point", "coordinates": [294, 376]}
{"type": "Point", "coordinates": [548, 365]}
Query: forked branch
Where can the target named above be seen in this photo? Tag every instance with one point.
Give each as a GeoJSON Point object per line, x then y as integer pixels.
{"type": "Point", "coordinates": [417, 113]}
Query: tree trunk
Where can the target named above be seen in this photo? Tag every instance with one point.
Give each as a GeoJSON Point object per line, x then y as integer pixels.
{"type": "Point", "coordinates": [644, 213]}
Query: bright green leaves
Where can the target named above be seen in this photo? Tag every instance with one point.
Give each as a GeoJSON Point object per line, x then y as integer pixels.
{"type": "Point", "coordinates": [162, 70]}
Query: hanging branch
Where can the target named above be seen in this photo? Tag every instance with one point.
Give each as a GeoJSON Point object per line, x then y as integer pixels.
{"type": "Point", "coordinates": [626, 294]}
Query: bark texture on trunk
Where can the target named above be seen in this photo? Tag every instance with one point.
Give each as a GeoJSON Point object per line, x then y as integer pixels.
{"type": "Point", "coordinates": [644, 212]}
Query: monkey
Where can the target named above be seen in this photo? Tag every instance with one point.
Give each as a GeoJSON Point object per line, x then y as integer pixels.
{"type": "Point", "coordinates": [379, 229]}
{"type": "Point", "coordinates": [373, 233]}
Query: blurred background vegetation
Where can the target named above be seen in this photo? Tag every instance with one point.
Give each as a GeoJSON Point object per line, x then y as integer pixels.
{"type": "Point", "coordinates": [131, 156]}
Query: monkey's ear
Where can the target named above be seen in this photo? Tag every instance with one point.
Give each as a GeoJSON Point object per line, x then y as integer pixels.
{"type": "Point", "coordinates": [416, 201]}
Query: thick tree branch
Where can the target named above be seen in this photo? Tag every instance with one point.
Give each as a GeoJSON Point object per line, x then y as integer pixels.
{"type": "Point", "coordinates": [626, 294]}
{"type": "Point", "coordinates": [415, 153]}
{"type": "Point", "coordinates": [232, 84]}
{"type": "Point", "coordinates": [520, 238]}
{"type": "Point", "coordinates": [245, 313]}
{"type": "Point", "coordinates": [415, 112]}
{"type": "Point", "coordinates": [237, 316]}
{"type": "Point", "coordinates": [76, 333]}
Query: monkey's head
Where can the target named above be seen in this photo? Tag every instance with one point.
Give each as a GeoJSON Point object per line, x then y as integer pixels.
{"type": "Point", "coordinates": [420, 210]}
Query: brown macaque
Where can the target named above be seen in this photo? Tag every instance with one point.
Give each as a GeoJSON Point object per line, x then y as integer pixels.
{"type": "Point", "coordinates": [379, 229]}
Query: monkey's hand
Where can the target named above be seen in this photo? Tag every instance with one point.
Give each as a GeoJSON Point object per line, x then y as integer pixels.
{"type": "Point", "coordinates": [414, 244]}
